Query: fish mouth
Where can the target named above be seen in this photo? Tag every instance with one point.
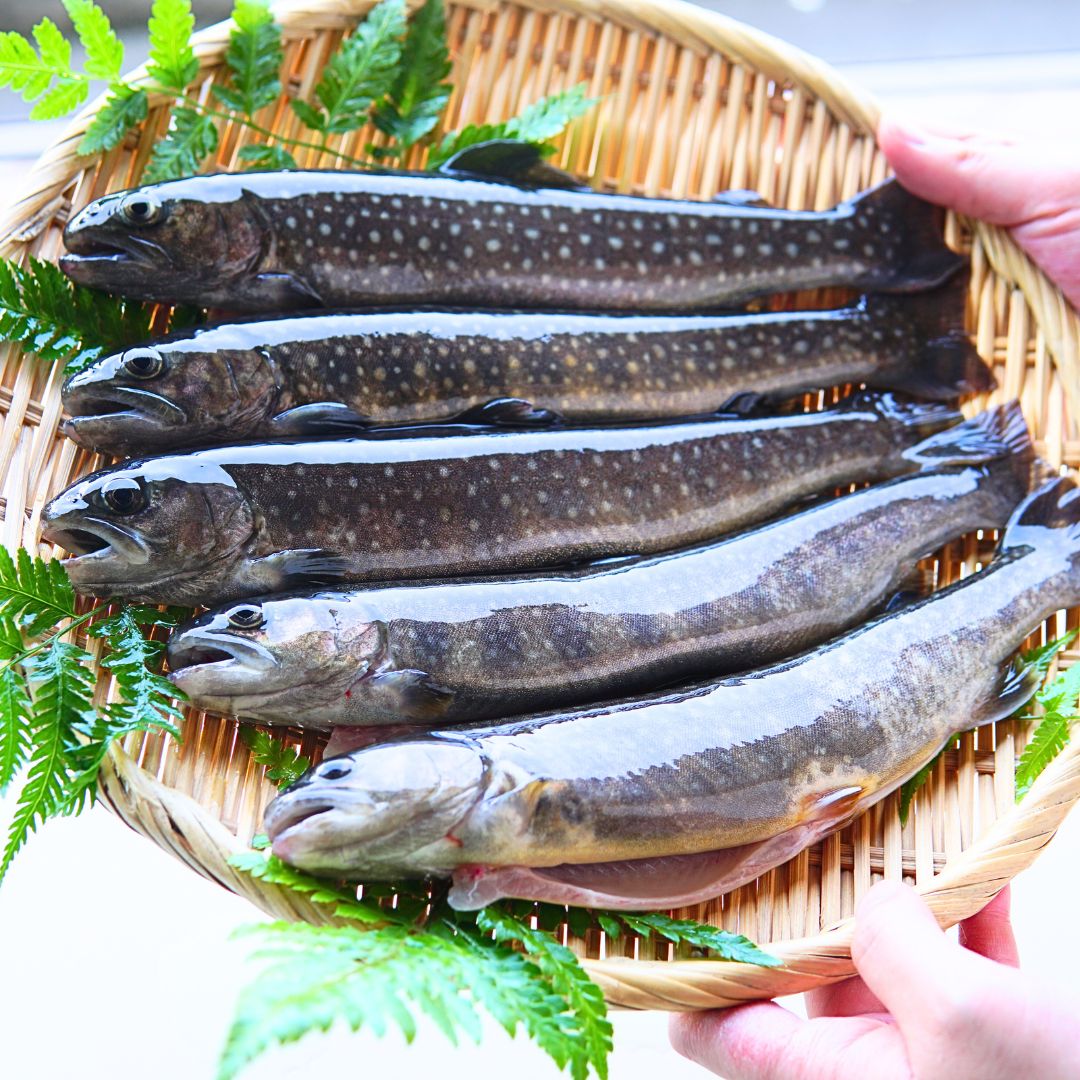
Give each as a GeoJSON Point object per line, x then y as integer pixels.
{"type": "Point", "coordinates": [103, 410]}
{"type": "Point", "coordinates": [92, 259]}
{"type": "Point", "coordinates": [199, 657]}
{"type": "Point", "coordinates": [93, 545]}
{"type": "Point", "coordinates": [284, 821]}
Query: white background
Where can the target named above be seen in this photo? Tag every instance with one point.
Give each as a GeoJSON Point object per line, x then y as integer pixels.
{"type": "Point", "coordinates": [114, 958]}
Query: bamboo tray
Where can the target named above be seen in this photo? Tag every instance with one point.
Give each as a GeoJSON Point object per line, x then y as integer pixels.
{"type": "Point", "coordinates": [692, 103]}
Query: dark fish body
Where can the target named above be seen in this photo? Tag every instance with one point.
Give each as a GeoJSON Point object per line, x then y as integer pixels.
{"type": "Point", "coordinates": [676, 797]}
{"type": "Point", "coordinates": [474, 649]}
{"type": "Point", "coordinates": [274, 241]}
{"type": "Point", "coordinates": [212, 525]}
{"type": "Point", "coordinates": [333, 374]}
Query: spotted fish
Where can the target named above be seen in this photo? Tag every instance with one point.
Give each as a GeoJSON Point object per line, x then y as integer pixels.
{"type": "Point", "coordinates": [474, 649]}
{"type": "Point", "coordinates": [210, 525]}
{"type": "Point", "coordinates": [473, 237]}
{"type": "Point", "coordinates": [338, 374]}
{"type": "Point", "coordinates": [675, 798]}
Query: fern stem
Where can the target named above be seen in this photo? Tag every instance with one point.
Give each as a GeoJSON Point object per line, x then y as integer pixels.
{"type": "Point", "coordinates": [244, 121]}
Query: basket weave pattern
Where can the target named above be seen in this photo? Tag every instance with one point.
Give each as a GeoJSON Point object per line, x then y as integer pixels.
{"type": "Point", "coordinates": [692, 104]}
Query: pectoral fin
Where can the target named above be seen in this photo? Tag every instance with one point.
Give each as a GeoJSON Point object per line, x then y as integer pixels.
{"type": "Point", "coordinates": [1019, 681]}
{"type": "Point", "coordinates": [508, 412]}
{"type": "Point", "coordinates": [744, 403]}
{"type": "Point", "coordinates": [286, 291]}
{"type": "Point", "coordinates": [299, 567]}
{"type": "Point", "coordinates": [320, 418]}
{"type": "Point", "coordinates": [410, 694]}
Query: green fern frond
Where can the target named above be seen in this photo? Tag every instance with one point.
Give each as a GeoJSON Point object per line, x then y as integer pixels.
{"type": "Point", "coordinates": [45, 313]}
{"type": "Point", "coordinates": [172, 60]}
{"type": "Point", "coordinates": [35, 594]}
{"type": "Point", "coordinates": [62, 687]}
{"type": "Point", "coordinates": [415, 102]}
{"type": "Point", "coordinates": [721, 943]}
{"type": "Point", "coordinates": [104, 50]}
{"type": "Point", "coordinates": [192, 137]}
{"type": "Point", "coordinates": [360, 72]}
{"type": "Point", "coordinates": [283, 764]}
{"type": "Point", "coordinates": [254, 57]}
{"type": "Point", "coordinates": [591, 1043]}
{"type": "Point", "coordinates": [1059, 702]}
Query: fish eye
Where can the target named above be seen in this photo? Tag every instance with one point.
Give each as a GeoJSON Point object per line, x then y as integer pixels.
{"type": "Point", "coordinates": [141, 208]}
{"type": "Point", "coordinates": [143, 363]}
{"type": "Point", "coordinates": [246, 617]}
{"type": "Point", "coordinates": [333, 769]}
{"type": "Point", "coordinates": [123, 495]}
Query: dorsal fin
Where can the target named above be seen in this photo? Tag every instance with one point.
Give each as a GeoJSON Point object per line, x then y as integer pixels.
{"type": "Point", "coordinates": [508, 159]}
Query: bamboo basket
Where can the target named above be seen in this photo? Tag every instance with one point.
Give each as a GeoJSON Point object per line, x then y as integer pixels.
{"type": "Point", "coordinates": [692, 103]}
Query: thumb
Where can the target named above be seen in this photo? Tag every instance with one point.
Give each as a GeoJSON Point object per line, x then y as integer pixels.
{"type": "Point", "coordinates": [1032, 189]}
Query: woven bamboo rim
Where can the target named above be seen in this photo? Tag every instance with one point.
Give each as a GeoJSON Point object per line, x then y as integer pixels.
{"type": "Point", "coordinates": [692, 103]}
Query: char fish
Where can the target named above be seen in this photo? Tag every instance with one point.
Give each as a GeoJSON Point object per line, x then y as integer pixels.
{"type": "Point", "coordinates": [475, 649]}
{"type": "Point", "coordinates": [675, 798]}
{"type": "Point", "coordinates": [212, 525]}
{"type": "Point", "coordinates": [472, 237]}
{"type": "Point", "coordinates": [337, 374]}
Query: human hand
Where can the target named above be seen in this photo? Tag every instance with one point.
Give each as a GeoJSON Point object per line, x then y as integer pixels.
{"type": "Point", "coordinates": [924, 1008]}
{"type": "Point", "coordinates": [1033, 189]}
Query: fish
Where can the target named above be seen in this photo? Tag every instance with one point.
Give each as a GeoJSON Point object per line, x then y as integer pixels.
{"type": "Point", "coordinates": [207, 526]}
{"type": "Point", "coordinates": [339, 374]}
{"type": "Point", "coordinates": [480, 234]}
{"type": "Point", "coordinates": [677, 797]}
{"type": "Point", "coordinates": [449, 652]}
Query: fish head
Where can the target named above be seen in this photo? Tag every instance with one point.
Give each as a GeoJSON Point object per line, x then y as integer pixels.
{"type": "Point", "coordinates": [146, 530]}
{"type": "Point", "coordinates": [175, 392]}
{"type": "Point", "coordinates": [181, 241]}
{"type": "Point", "coordinates": [378, 811]}
{"type": "Point", "coordinates": [282, 658]}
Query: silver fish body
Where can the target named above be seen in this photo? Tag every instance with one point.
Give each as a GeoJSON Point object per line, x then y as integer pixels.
{"type": "Point", "coordinates": [331, 374]}
{"type": "Point", "coordinates": [213, 525]}
{"type": "Point", "coordinates": [474, 649]}
{"type": "Point", "coordinates": [280, 241]}
{"type": "Point", "coordinates": [676, 797]}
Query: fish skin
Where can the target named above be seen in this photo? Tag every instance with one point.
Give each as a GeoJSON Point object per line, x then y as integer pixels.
{"type": "Point", "coordinates": [478, 649]}
{"type": "Point", "coordinates": [279, 241]}
{"type": "Point", "coordinates": [769, 757]}
{"type": "Point", "coordinates": [212, 525]}
{"type": "Point", "coordinates": [251, 380]}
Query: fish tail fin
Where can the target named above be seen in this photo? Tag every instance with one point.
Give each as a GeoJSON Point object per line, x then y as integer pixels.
{"type": "Point", "coordinates": [1011, 476]}
{"type": "Point", "coordinates": [914, 419]}
{"type": "Point", "coordinates": [941, 362]}
{"type": "Point", "coordinates": [993, 434]}
{"type": "Point", "coordinates": [1049, 515]}
{"type": "Point", "coordinates": [902, 236]}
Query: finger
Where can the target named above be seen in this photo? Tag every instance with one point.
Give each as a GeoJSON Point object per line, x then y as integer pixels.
{"type": "Point", "coordinates": [852, 997]}
{"type": "Point", "coordinates": [985, 180]}
{"type": "Point", "coordinates": [762, 1041]}
{"type": "Point", "coordinates": [989, 932]}
{"type": "Point", "coordinates": [746, 1042]}
{"type": "Point", "coordinates": [905, 959]}
{"type": "Point", "coordinates": [977, 175]}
